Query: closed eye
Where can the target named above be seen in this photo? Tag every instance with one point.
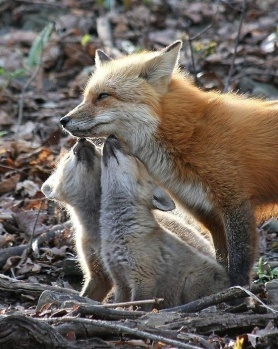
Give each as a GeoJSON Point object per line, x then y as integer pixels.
{"type": "Point", "coordinates": [102, 96]}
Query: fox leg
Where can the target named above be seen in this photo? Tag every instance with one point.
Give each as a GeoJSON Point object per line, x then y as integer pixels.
{"type": "Point", "coordinates": [122, 293]}
{"type": "Point", "coordinates": [142, 290]}
{"type": "Point", "coordinates": [241, 231]}
{"type": "Point", "coordinates": [96, 285]}
{"type": "Point", "coordinates": [214, 223]}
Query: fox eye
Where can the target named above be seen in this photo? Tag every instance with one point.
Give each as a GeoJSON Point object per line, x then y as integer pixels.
{"type": "Point", "coordinates": [102, 96]}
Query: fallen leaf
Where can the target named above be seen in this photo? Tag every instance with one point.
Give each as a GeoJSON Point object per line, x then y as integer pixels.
{"type": "Point", "coordinates": [26, 220]}
{"type": "Point", "coordinates": [6, 240]}
{"type": "Point", "coordinates": [27, 188]}
{"type": "Point", "coordinates": [29, 267]}
{"type": "Point", "coordinates": [9, 184]}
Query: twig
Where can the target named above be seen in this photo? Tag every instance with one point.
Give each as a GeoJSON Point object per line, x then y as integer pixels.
{"type": "Point", "coordinates": [127, 304]}
{"type": "Point", "coordinates": [104, 313]}
{"type": "Point", "coordinates": [251, 73]}
{"type": "Point", "coordinates": [25, 86]}
{"type": "Point", "coordinates": [28, 249]}
{"type": "Point", "coordinates": [121, 329]}
{"type": "Point", "coordinates": [104, 31]}
{"type": "Point", "coordinates": [190, 39]}
{"type": "Point", "coordinates": [16, 329]}
{"type": "Point", "coordinates": [13, 286]}
{"type": "Point", "coordinates": [220, 297]}
{"type": "Point", "coordinates": [231, 70]}
{"type": "Point", "coordinates": [11, 168]}
{"type": "Point", "coordinates": [44, 3]}
{"type": "Point", "coordinates": [256, 298]}
{"type": "Point", "coordinates": [194, 337]}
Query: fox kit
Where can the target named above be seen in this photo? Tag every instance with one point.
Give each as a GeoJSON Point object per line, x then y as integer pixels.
{"type": "Point", "coordinates": [76, 184]}
{"type": "Point", "coordinates": [217, 154]}
{"type": "Point", "coordinates": [143, 259]}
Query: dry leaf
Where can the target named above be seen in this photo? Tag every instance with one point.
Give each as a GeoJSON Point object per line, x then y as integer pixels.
{"type": "Point", "coordinates": [6, 240]}
{"type": "Point", "coordinates": [27, 188]}
{"type": "Point", "coordinates": [9, 184]}
{"type": "Point", "coordinates": [26, 220]}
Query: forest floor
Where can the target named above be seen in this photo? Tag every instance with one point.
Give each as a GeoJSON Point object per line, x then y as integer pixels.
{"type": "Point", "coordinates": [47, 51]}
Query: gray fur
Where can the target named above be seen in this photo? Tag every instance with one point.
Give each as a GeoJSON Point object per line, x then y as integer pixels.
{"type": "Point", "coordinates": [76, 185]}
{"type": "Point", "coordinates": [188, 230]}
{"type": "Point", "coordinates": [144, 259]}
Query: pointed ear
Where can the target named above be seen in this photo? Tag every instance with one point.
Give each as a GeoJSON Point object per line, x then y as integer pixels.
{"type": "Point", "coordinates": [159, 69]}
{"type": "Point", "coordinates": [100, 58]}
{"type": "Point", "coordinates": [162, 201]}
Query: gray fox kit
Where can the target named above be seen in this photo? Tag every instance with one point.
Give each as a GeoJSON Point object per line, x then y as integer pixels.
{"type": "Point", "coordinates": [76, 184]}
{"type": "Point", "coordinates": [143, 259]}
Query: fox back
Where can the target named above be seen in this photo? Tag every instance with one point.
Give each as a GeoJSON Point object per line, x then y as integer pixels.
{"type": "Point", "coordinates": [215, 153]}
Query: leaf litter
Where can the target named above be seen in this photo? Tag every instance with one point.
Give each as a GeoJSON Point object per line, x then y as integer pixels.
{"type": "Point", "coordinates": [46, 55]}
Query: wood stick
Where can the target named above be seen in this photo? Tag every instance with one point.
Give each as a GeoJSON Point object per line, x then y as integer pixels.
{"type": "Point", "coordinates": [10, 285]}
{"type": "Point", "coordinates": [119, 328]}
{"type": "Point", "coordinates": [128, 304]}
{"type": "Point", "coordinates": [108, 314]}
{"type": "Point", "coordinates": [231, 70]}
{"type": "Point", "coordinates": [220, 297]}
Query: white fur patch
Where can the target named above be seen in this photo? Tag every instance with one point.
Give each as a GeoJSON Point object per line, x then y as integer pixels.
{"type": "Point", "coordinates": [194, 195]}
{"type": "Point", "coordinates": [160, 166]}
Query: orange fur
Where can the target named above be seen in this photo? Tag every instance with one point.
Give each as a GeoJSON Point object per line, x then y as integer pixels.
{"type": "Point", "coordinates": [217, 154]}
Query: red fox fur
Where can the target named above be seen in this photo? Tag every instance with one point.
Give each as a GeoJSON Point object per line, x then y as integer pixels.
{"type": "Point", "coordinates": [217, 154]}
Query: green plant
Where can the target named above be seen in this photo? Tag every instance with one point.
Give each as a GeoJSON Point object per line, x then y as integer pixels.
{"type": "Point", "coordinates": [41, 40]}
{"type": "Point", "coordinates": [86, 39]}
{"type": "Point", "coordinates": [3, 133]}
{"type": "Point", "coordinates": [12, 74]}
{"type": "Point", "coordinates": [265, 273]}
{"type": "Point", "coordinates": [8, 76]}
{"type": "Point", "coordinates": [204, 49]}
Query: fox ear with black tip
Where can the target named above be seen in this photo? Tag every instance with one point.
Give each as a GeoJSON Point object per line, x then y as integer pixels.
{"type": "Point", "coordinates": [100, 58]}
{"type": "Point", "coordinates": [158, 70]}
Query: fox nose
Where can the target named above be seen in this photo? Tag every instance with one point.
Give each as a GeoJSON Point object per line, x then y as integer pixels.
{"type": "Point", "coordinates": [64, 120]}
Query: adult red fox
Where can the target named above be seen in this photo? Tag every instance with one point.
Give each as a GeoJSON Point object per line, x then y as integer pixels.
{"type": "Point", "coordinates": [217, 154]}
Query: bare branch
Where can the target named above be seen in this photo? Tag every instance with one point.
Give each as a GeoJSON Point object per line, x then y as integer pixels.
{"type": "Point", "coordinates": [231, 70]}
{"type": "Point", "coordinates": [227, 295]}
{"type": "Point", "coordinates": [191, 39]}
{"type": "Point", "coordinates": [122, 329]}
{"type": "Point", "coordinates": [128, 304]}
{"type": "Point", "coordinates": [22, 95]}
{"type": "Point", "coordinates": [28, 250]}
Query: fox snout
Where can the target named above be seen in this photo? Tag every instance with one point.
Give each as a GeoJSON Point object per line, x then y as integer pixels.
{"type": "Point", "coordinates": [77, 112]}
{"type": "Point", "coordinates": [113, 141]}
{"type": "Point", "coordinates": [82, 142]}
{"type": "Point", "coordinates": [64, 120]}
{"type": "Point", "coordinates": [85, 151]}
{"type": "Point", "coordinates": [110, 145]}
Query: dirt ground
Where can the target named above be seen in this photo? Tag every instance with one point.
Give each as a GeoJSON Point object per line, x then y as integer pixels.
{"type": "Point", "coordinates": [47, 51]}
